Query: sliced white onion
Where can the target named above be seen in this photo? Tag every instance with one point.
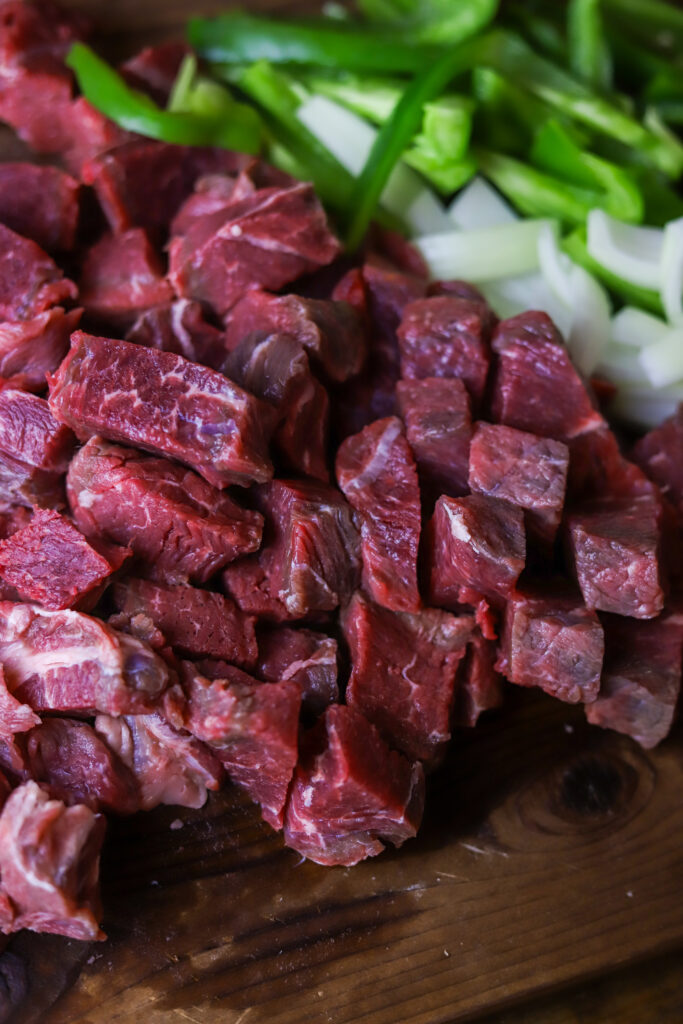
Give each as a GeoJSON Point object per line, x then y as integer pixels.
{"type": "Point", "coordinates": [509, 296]}
{"type": "Point", "coordinates": [663, 360]}
{"type": "Point", "coordinates": [671, 271]}
{"type": "Point", "coordinates": [636, 328]}
{"type": "Point", "coordinates": [485, 254]}
{"type": "Point", "coordinates": [632, 253]}
{"type": "Point", "coordinates": [621, 365]}
{"type": "Point", "coordinates": [644, 407]}
{"type": "Point", "coordinates": [479, 205]}
{"type": "Point", "coordinates": [350, 138]}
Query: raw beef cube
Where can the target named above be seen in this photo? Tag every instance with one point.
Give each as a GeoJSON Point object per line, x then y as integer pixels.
{"type": "Point", "coordinates": [551, 640]}
{"type": "Point", "coordinates": [40, 203]}
{"type": "Point", "coordinates": [660, 454]}
{"type": "Point", "coordinates": [49, 864]}
{"type": "Point", "coordinates": [14, 716]}
{"type": "Point", "coordinates": [170, 766]}
{"type": "Point", "coordinates": [274, 367]}
{"type": "Point", "coordinates": [153, 70]}
{"type": "Point", "coordinates": [253, 728]}
{"type": "Point", "coordinates": [38, 29]}
{"type": "Point", "coordinates": [641, 677]}
{"type": "Point", "coordinates": [596, 465]}
{"type": "Point", "coordinates": [436, 413]}
{"type": "Point", "coordinates": [142, 182]}
{"type": "Point", "coordinates": [614, 548]}
{"type": "Point", "coordinates": [50, 562]}
{"type": "Point", "coordinates": [30, 282]}
{"type": "Point", "coordinates": [87, 134]}
{"type": "Point", "coordinates": [67, 661]}
{"type": "Point", "coordinates": [403, 674]}
{"type": "Point", "coordinates": [311, 562]}
{"type": "Point", "coordinates": [351, 794]}
{"type": "Point", "coordinates": [195, 621]}
{"type": "Point", "coordinates": [391, 250]}
{"type": "Point", "coordinates": [214, 192]}
{"type": "Point", "coordinates": [304, 657]}
{"type": "Point", "coordinates": [13, 518]}
{"type": "Point", "coordinates": [376, 472]}
{"type": "Point", "coordinates": [331, 332]}
{"type": "Point", "coordinates": [265, 240]}
{"type": "Point", "coordinates": [464, 290]}
{"type": "Point", "coordinates": [122, 276]}
{"type": "Point", "coordinates": [535, 385]}
{"type": "Point", "coordinates": [34, 451]}
{"type": "Point", "coordinates": [479, 686]}
{"type": "Point", "coordinates": [13, 759]}
{"type": "Point", "coordinates": [477, 544]}
{"type": "Point", "coordinates": [163, 403]}
{"type": "Point", "coordinates": [180, 327]}
{"type": "Point", "coordinates": [524, 469]}
{"type": "Point", "coordinates": [169, 517]}
{"type": "Point", "coordinates": [443, 336]}
{"type": "Point", "coordinates": [78, 767]}
{"type": "Point", "coordinates": [30, 349]}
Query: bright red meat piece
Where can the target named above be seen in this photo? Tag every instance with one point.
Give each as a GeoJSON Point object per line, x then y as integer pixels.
{"type": "Point", "coordinates": [34, 451]}
{"type": "Point", "coordinates": [30, 282]}
{"type": "Point", "coordinates": [180, 327]}
{"type": "Point", "coordinates": [550, 639]}
{"type": "Point", "coordinates": [641, 677]}
{"type": "Point", "coordinates": [49, 561]}
{"type": "Point", "coordinates": [403, 673]}
{"type": "Point", "coordinates": [614, 548]}
{"type": "Point", "coordinates": [197, 622]}
{"type": "Point", "coordinates": [40, 203]}
{"type": "Point", "coordinates": [444, 336]}
{"type": "Point", "coordinates": [78, 767]}
{"type": "Point", "coordinates": [30, 349]}
{"type": "Point", "coordinates": [67, 661]}
{"type": "Point", "coordinates": [86, 134]}
{"type": "Point", "coordinates": [121, 277]}
{"type": "Point", "coordinates": [170, 517]}
{"type": "Point", "coordinates": [436, 413]}
{"type": "Point", "coordinates": [253, 728]}
{"type": "Point", "coordinates": [49, 864]}
{"type": "Point", "coordinates": [376, 471]}
{"type": "Point", "coordinates": [305, 657]}
{"type": "Point", "coordinates": [351, 793]}
{"type": "Point", "coordinates": [153, 70]}
{"type": "Point", "coordinates": [163, 403]}
{"type": "Point", "coordinates": [265, 240]}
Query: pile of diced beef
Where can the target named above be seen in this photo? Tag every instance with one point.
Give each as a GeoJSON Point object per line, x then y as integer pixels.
{"type": "Point", "coordinates": [274, 515]}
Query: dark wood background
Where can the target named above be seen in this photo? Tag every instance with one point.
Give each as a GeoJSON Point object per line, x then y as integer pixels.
{"type": "Point", "coordinates": [546, 886]}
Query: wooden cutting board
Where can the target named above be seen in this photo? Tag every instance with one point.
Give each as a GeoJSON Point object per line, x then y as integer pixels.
{"type": "Point", "coordinates": [551, 853]}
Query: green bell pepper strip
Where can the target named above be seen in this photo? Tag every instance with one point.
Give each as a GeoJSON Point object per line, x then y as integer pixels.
{"type": "Point", "coordinates": [236, 127]}
{"type": "Point", "coordinates": [546, 35]}
{"type": "Point", "coordinates": [240, 38]}
{"type": "Point", "coordinates": [630, 294]}
{"type": "Point", "coordinates": [589, 55]}
{"type": "Point", "coordinates": [534, 193]}
{"type": "Point", "coordinates": [433, 21]}
{"type": "Point", "coordinates": [652, 21]}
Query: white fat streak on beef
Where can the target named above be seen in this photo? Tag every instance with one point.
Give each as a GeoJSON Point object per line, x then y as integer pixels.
{"type": "Point", "coordinates": [378, 459]}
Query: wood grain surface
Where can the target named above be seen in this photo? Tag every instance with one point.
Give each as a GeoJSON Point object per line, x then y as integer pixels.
{"type": "Point", "coordinates": [551, 858]}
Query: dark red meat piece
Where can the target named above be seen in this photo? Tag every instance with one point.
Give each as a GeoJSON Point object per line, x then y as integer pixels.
{"type": "Point", "coordinates": [30, 349]}
{"type": "Point", "coordinates": [436, 413]}
{"type": "Point", "coordinates": [34, 451]}
{"type": "Point", "coordinates": [331, 332]}
{"type": "Point", "coordinates": [163, 403]}
{"type": "Point", "coordinates": [265, 240]}
{"type": "Point", "coordinates": [153, 70]}
{"type": "Point", "coordinates": [660, 454]}
{"type": "Point", "coordinates": [67, 661]}
{"type": "Point", "coordinates": [195, 621]}
{"type": "Point", "coordinates": [170, 766]}
{"type": "Point", "coordinates": [253, 728]}
{"type": "Point", "coordinates": [403, 673]}
{"type": "Point", "coordinates": [49, 864]}
{"type": "Point", "coordinates": [351, 793]}
{"type": "Point", "coordinates": [311, 562]}
{"type": "Point", "coordinates": [479, 686]}
{"type": "Point", "coordinates": [170, 517]}
{"type": "Point", "coordinates": [121, 277]}
{"type": "Point", "coordinates": [180, 327]}
{"type": "Point", "coordinates": [641, 677]}
{"type": "Point", "coordinates": [535, 385]}
{"type": "Point", "coordinates": [37, 29]}
{"type": "Point", "coordinates": [30, 282]}
{"type": "Point", "coordinates": [49, 561]}
{"type": "Point", "coordinates": [550, 639]}
{"type": "Point", "coordinates": [477, 544]}
{"type": "Point", "coordinates": [614, 547]}
{"type": "Point", "coordinates": [304, 657]}
{"type": "Point", "coordinates": [86, 134]}
{"type": "Point", "coordinates": [443, 336]}
{"type": "Point", "coordinates": [14, 716]}
{"type": "Point", "coordinates": [13, 518]}
{"type": "Point", "coordinates": [40, 203]}
{"type": "Point", "coordinates": [376, 472]}
{"type": "Point", "coordinates": [464, 290]}
{"type": "Point", "coordinates": [79, 768]}
{"type": "Point", "coordinates": [275, 367]}
{"type": "Point", "coordinates": [214, 192]}
{"type": "Point", "coordinates": [524, 469]}
{"type": "Point", "coordinates": [13, 759]}
{"type": "Point", "coordinates": [597, 466]}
